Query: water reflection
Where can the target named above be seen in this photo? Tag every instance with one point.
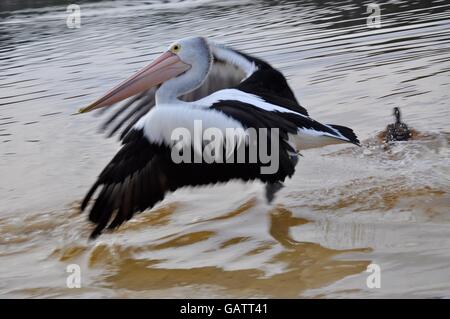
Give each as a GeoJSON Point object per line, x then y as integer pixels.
{"type": "Point", "coordinates": [306, 266]}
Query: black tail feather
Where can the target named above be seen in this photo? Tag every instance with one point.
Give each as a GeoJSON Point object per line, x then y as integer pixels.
{"type": "Point", "coordinates": [347, 133]}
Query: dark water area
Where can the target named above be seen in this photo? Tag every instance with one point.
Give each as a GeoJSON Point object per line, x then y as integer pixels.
{"type": "Point", "coordinates": [345, 208]}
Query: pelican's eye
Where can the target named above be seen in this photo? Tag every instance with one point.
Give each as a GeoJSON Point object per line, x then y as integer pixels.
{"type": "Point", "coordinates": [175, 48]}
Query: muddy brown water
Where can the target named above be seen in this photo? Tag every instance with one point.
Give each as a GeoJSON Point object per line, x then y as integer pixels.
{"type": "Point", "coordinates": [345, 208]}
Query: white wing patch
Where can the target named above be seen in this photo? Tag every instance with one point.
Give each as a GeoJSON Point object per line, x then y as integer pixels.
{"type": "Point", "coordinates": [163, 123]}
{"type": "Point", "coordinates": [238, 95]}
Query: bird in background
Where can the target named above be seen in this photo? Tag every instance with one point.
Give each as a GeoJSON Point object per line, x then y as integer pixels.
{"type": "Point", "coordinates": [398, 131]}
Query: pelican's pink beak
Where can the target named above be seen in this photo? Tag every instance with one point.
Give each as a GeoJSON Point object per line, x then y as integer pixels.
{"type": "Point", "coordinates": [165, 67]}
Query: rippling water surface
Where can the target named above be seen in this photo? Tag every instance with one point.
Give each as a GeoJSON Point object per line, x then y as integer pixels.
{"type": "Point", "coordinates": [345, 208]}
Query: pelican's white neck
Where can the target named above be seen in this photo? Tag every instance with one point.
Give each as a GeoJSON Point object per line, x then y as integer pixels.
{"type": "Point", "coordinates": [170, 90]}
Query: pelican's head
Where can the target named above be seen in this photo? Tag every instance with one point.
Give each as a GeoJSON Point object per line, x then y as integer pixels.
{"type": "Point", "coordinates": [193, 51]}
{"type": "Point", "coordinates": [179, 70]}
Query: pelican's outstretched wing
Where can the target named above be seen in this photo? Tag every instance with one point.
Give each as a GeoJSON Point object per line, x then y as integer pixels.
{"type": "Point", "coordinates": [144, 170]}
{"type": "Point", "coordinates": [230, 69]}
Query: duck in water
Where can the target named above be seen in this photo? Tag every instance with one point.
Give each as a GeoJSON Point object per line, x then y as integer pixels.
{"type": "Point", "coordinates": [398, 131]}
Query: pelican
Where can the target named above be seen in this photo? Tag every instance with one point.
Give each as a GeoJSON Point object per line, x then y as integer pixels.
{"type": "Point", "coordinates": [197, 79]}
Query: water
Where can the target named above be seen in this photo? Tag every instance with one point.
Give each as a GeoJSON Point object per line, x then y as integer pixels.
{"type": "Point", "coordinates": [345, 208]}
